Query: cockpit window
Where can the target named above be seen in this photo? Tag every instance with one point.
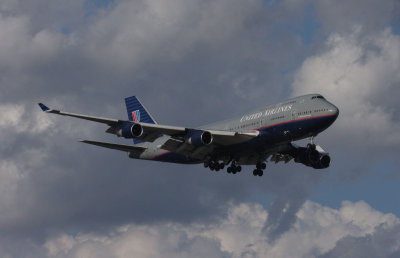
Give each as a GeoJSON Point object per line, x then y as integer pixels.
{"type": "Point", "coordinates": [317, 97]}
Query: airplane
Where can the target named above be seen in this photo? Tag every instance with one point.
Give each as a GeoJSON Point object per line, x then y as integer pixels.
{"type": "Point", "coordinates": [265, 133]}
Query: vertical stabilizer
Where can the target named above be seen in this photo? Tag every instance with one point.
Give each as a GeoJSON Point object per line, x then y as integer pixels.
{"type": "Point", "coordinates": [137, 112]}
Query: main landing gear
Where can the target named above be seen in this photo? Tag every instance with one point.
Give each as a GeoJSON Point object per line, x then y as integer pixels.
{"type": "Point", "coordinates": [234, 168]}
{"type": "Point", "coordinates": [214, 165]}
{"type": "Point", "coordinates": [259, 169]}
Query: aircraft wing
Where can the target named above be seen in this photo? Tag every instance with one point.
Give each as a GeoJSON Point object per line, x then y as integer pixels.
{"type": "Point", "coordinates": [180, 143]}
{"type": "Point", "coordinates": [229, 138]}
{"type": "Point", "coordinates": [115, 146]}
{"type": "Point", "coordinates": [180, 136]}
{"type": "Point", "coordinates": [103, 120]}
{"type": "Point", "coordinates": [220, 137]}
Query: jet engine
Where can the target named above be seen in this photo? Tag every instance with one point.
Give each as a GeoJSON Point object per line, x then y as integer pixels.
{"type": "Point", "coordinates": [199, 138]}
{"type": "Point", "coordinates": [136, 130]}
{"type": "Point", "coordinates": [312, 158]}
{"type": "Point", "coordinates": [324, 161]}
{"type": "Point", "coordinates": [131, 131]}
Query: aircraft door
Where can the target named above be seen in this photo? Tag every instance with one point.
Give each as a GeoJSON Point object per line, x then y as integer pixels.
{"type": "Point", "coordinates": [294, 114]}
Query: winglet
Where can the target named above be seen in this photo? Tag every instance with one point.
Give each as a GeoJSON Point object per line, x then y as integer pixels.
{"type": "Point", "coordinates": [43, 107]}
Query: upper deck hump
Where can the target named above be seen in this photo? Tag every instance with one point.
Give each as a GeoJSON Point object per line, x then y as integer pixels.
{"type": "Point", "coordinates": [235, 119]}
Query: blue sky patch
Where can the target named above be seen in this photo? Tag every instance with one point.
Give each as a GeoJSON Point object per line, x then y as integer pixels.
{"type": "Point", "coordinates": [396, 27]}
{"type": "Point", "coordinates": [377, 184]}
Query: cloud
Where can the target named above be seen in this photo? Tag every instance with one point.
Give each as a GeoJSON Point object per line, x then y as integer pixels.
{"type": "Point", "coordinates": [318, 231]}
{"type": "Point", "coordinates": [20, 47]}
{"type": "Point", "coordinates": [372, 15]}
{"type": "Point", "coordinates": [141, 32]}
{"type": "Point", "coordinates": [360, 75]}
{"type": "Point", "coordinates": [15, 117]}
{"type": "Point", "coordinates": [283, 211]}
{"type": "Point", "coordinates": [383, 243]}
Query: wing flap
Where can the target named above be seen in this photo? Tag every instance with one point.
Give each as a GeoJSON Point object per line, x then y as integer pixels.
{"type": "Point", "coordinates": [181, 147]}
{"type": "Point", "coordinates": [121, 147]}
{"type": "Point", "coordinates": [172, 144]}
{"type": "Point", "coordinates": [178, 146]}
{"type": "Point", "coordinates": [227, 138]}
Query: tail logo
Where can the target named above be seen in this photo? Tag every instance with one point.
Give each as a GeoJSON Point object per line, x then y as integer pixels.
{"type": "Point", "coordinates": [136, 116]}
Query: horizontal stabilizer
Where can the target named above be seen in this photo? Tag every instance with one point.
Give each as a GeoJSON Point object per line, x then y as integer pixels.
{"type": "Point", "coordinates": [115, 146]}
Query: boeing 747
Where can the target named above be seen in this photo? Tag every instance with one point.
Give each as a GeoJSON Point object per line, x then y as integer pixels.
{"type": "Point", "coordinates": [264, 134]}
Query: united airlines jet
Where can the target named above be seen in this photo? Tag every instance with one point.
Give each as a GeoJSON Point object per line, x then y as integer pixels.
{"type": "Point", "coordinates": [264, 134]}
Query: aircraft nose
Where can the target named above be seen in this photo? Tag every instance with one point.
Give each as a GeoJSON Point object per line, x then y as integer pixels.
{"type": "Point", "coordinates": [334, 110]}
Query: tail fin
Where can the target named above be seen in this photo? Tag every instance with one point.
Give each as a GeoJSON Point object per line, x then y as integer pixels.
{"type": "Point", "coordinates": [137, 112]}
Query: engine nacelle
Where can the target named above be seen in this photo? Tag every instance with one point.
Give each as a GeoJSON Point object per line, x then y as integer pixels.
{"type": "Point", "coordinates": [199, 138]}
{"type": "Point", "coordinates": [131, 131]}
{"type": "Point", "coordinates": [324, 162]}
{"type": "Point", "coordinates": [136, 130]}
{"type": "Point", "coordinates": [307, 156]}
{"type": "Point", "coordinates": [312, 158]}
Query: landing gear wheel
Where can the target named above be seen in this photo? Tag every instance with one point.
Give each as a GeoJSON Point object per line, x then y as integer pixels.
{"type": "Point", "coordinates": [263, 165]}
{"type": "Point", "coordinates": [258, 172]}
{"type": "Point", "coordinates": [213, 165]}
{"type": "Point", "coordinates": [229, 170]}
{"type": "Point", "coordinates": [255, 172]}
{"type": "Point", "coordinates": [221, 166]}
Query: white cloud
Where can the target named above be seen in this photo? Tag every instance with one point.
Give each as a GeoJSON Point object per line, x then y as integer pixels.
{"type": "Point", "coordinates": [137, 32]}
{"type": "Point", "coordinates": [360, 75]}
{"type": "Point", "coordinates": [11, 115]}
{"type": "Point", "coordinates": [20, 47]}
{"type": "Point", "coordinates": [316, 232]}
{"type": "Point", "coordinates": [14, 175]}
{"type": "Point", "coordinates": [18, 119]}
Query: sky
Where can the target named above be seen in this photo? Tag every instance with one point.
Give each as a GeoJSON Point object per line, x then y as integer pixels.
{"type": "Point", "coordinates": [193, 62]}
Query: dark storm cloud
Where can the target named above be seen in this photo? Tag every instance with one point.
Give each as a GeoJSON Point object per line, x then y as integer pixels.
{"type": "Point", "coordinates": [191, 62]}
